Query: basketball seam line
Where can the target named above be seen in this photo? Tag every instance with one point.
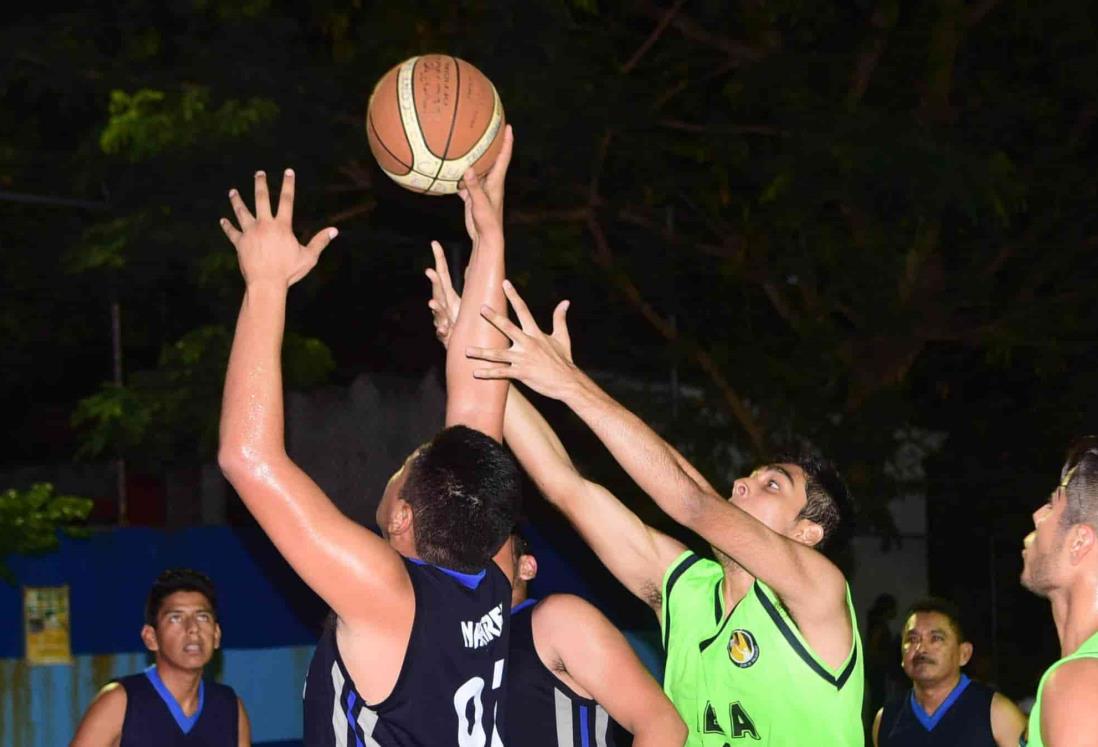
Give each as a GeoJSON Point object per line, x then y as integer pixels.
{"type": "Point", "coordinates": [377, 136]}
{"type": "Point", "coordinates": [396, 90]}
{"type": "Point", "coordinates": [453, 122]}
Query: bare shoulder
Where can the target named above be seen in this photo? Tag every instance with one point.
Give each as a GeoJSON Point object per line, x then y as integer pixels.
{"type": "Point", "coordinates": [1069, 703]}
{"type": "Point", "coordinates": [1076, 680]}
{"type": "Point", "coordinates": [564, 612]}
{"type": "Point", "coordinates": [102, 722]}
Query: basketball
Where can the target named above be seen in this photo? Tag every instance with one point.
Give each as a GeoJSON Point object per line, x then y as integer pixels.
{"type": "Point", "coordinates": [432, 117]}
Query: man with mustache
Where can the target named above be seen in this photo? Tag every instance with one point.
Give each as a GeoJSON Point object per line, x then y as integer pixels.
{"type": "Point", "coordinates": [944, 707]}
{"type": "Point", "coordinates": [1060, 563]}
{"type": "Point", "coordinates": [169, 703]}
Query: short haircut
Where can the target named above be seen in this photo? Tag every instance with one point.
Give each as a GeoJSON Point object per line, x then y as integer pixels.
{"type": "Point", "coordinates": [464, 489]}
{"type": "Point", "coordinates": [1080, 470]}
{"type": "Point", "coordinates": [827, 498]}
{"type": "Point", "coordinates": [943, 607]}
{"type": "Point", "coordinates": [173, 580]}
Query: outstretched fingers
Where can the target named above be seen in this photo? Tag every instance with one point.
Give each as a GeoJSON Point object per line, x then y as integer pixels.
{"type": "Point", "coordinates": [522, 311]}
{"type": "Point", "coordinates": [262, 196]}
{"type": "Point", "coordinates": [560, 327]}
{"type": "Point", "coordinates": [244, 216]}
{"type": "Point", "coordinates": [285, 213]}
{"type": "Point", "coordinates": [498, 172]}
{"type": "Point", "coordinates": [321, 240]}
{"type": "Point", "coordinates": [502, 323]}
{"type": "Point", "coordinates": [230, 230]}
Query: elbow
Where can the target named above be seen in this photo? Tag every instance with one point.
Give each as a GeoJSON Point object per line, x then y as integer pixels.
{"type": "Point", "coordinates": [237, 462]}
{"type": "Point", "coordinates": [666, 728]}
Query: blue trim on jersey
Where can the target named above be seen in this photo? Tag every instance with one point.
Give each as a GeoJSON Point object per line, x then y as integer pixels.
{"type": "Point", "coordinates": [350, 717]}
{"type": "Point", "coordinates": [186, 723]}
{"type": "Point", "coordinates": [929, 722]}
{"type": "Point", "coordinates": [468, 580]}
{"type": "Point", "coordinates": [585, 740]}
{"type": "Point", "coordinates": [523, 605]}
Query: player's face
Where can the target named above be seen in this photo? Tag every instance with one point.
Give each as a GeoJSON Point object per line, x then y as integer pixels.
{"type": "Point", "coordinates": [774, 494]}
{"type": "Point", "coordinates": [1042, 549]}
{"type": "Point", "coordinates": [930, 649]}
{"type": "Point", "coordinates": [186, 633]}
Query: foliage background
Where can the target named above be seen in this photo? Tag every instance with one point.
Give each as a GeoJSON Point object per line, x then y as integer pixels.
{"type": "Point", "coordinates": [862, 225]}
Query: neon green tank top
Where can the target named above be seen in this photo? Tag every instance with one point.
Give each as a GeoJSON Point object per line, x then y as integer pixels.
{"type": "Point", "coordinates": [1089, 649]}
{"type": "Point", "coordinates": [751, 676]}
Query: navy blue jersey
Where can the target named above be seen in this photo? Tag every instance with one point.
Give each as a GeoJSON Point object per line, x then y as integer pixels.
{"type": "Point", "coordinates": [450, 690]}
{"type": "Point", "coordinates": [153, 715]}
{"type": "Point", "coordinates": [541, 710]}
{"type": "Point", "coordinates": [963, 718]}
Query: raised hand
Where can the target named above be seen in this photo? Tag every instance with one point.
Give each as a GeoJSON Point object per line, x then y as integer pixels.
{"type": "Point", "coordinates": [484, 214]}
{"type": "Point", "coordinates": [265, 244]}
{"type": "Point", "coordinates": [445, 301]}
{"type": "Point", "coordinates": [542, 362]}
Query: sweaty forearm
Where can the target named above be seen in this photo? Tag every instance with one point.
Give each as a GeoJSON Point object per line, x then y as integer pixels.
{"type": "Point", "coordinates": [653, 464]}
{"type": "Point", "coordinates": [474, 402]}
{"type": "Point", "coordinates": [252, 409]}
{"type": "Point", "coordinates": [538, 449]}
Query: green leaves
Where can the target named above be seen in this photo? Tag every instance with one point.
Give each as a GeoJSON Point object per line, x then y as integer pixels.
{"type": "Point", "coordinates": [150, 122]}
{"type": "Point", "coordinates": [171, 412]}
{"type": "Point", "coordinates": [31, 518]}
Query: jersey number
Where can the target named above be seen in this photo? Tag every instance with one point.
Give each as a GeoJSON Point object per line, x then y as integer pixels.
{"type": "Point", "coordinates": [472, 734]}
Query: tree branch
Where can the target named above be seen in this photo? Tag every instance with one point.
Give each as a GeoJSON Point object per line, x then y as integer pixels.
{"type": "Point", "coordinates": [604, 256]}
{"type": "Point", "coordinates": [652, 38]}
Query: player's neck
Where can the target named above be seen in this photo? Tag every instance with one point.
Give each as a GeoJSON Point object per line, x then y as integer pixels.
{"type": "Point", "coordinates": [182, 684]}
{"type": "Point", "coordinates": [930, 695]}
{"type": "Point", "coordinates": [1075, 613]}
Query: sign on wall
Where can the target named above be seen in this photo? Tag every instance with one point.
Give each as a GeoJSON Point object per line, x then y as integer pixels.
{"type": "Point", "coordinates": [46, 625]}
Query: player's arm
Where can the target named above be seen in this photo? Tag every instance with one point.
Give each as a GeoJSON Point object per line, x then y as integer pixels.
{"type": "Point", "coordinates": [571, 634]}
{"type": "Point", "coordinates": [877, 729]}
{"type": "Point", "coordinates": [243, 726]}
{"type": "Point", "coordinates": [635, 553]}
{"type": "Point", "coordinates": [102, 722]}
{"type": "Point", "coordinates": [808, 583]}
{"type": "Point", "coordinates": [1007, 721]}
{"type": "Point", "coordinates": [1069, 705]}
{"type": "Point", "coordinates": [351, 568]}
{"type": "Point", "coordinates": [473, 402]}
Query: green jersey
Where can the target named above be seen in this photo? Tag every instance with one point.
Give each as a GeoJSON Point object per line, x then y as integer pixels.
{"type": "Point", "coordinates": [1089, 650]}
{"type": "Point", "coordinates": [749, 675]}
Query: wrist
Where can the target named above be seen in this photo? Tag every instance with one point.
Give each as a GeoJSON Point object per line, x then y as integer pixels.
{"type": "Point", "coordinates": [580, 392]}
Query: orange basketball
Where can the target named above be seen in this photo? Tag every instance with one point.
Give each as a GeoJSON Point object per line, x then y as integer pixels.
{"type": "Point", "coordinates": [432, 117]}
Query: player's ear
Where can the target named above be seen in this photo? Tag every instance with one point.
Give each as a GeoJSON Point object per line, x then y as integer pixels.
{"type": "Point", "coordinates": [217, 636]}
{"type": "Point", "coordinates": [400, 518]}
{"type": "Point", "coordinates": [148, 637]}
{"type": "Point", "coordinates": [1083, 542]}
{"type": "Point", "coordinates": [528, 567]}
{"type": "Point", "coordinates": [966, 653]}
{"type": "Point", "coordinates": [808, 532]}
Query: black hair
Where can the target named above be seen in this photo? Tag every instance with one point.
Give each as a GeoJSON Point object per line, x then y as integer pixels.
{"type": "Point", "coordinates": [827, 498]}
{"type": "Point", "coordinates": [943, 607]}
{"type": "Point", "coordinates": [178, 579]}
{"type": "Point", "coordinates": [464, 490]}
{"type": "Point", "coordinates": [1079, 477]}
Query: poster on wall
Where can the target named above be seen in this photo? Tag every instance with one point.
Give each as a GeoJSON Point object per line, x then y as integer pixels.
{"type": "Point", "coordinates": [46, 624]}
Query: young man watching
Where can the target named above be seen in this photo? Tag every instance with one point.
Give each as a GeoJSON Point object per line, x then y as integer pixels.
{"type": "Point", "coordinates": [169, 703]}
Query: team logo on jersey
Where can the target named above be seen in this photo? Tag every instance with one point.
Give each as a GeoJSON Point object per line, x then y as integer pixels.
{"type": "Point", "coordinates": [743, 650]}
